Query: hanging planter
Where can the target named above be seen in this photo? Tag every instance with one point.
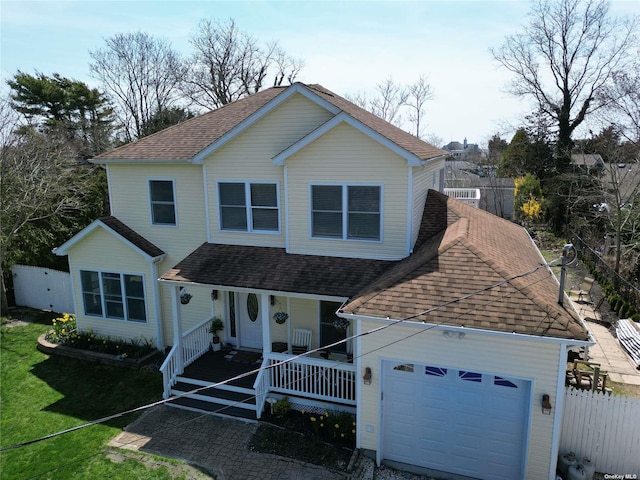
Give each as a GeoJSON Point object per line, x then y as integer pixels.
{"type": "Point", "coordinates": [280, 317]}
{"type": "Point", "coordinates": [185, 297]}
{"type": "Point", "coordinates": [341, 324]}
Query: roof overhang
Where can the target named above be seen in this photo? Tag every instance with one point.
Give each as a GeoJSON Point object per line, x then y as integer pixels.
{"type": "Point", "coordinates": [141, 161]}
{"type": "Point", "coordinates": [340, 118]}
{"type": "Point", "coordinates": [63, 249]}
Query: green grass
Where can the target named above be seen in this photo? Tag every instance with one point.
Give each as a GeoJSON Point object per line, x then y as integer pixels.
{"type": "Point", "coordinates": [41, 395]}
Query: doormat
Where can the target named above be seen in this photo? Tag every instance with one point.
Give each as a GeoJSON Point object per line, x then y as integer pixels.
{"type": "Point", "coordinates": [244, 357]}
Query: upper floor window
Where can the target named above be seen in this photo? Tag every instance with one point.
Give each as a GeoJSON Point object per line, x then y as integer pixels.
{"type": "Point", "coordinates": [249, 207]}
{"type": "Point", "coordinates": [163, 204]}
{"type": "Point", "coordinates": [346, 211]}
{"type": "Point", "coordinates": [113, 295]}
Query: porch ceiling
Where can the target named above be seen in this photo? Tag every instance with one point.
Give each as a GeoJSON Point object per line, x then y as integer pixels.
{"type": "Point", "coordinates": [273, 269]}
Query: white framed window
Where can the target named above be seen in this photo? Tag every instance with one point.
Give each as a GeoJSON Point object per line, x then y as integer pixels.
{"type": "Point", "coordinates": [162, 202]}
{"type": "Point", "coordinates": [113, 295]}
{"type": "Point", "coordinates": [249, 206]}
{"type": "Point", "coordinates": [347, 212]}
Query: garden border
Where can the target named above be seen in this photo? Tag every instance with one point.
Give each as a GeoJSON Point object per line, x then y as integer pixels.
{"type": "Point", "coordinates": [103, 358]}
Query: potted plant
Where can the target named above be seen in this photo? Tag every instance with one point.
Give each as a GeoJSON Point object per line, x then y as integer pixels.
{"type": "Point", "coordinates": [280, 317]}
{"type": "Point", "coordinates": [214, 328]}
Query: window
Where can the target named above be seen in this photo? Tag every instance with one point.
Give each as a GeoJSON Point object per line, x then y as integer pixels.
{"type": "Point", "coordinates": [163, 205]}
{"type": "Point", "coordinates": [470, 376]}
{"type": "Point", "coordinates": [346, 212]}
{"type": "Point", "coordinates": [435, 371]}
{"type": "Point", "coordinates": [328, 332]}
{"type": "Point", "coordinates": [249, 207]}
{"type": "Point", "coordinates": [113, 295]}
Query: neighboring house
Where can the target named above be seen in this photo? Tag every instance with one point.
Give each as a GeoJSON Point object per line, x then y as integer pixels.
{"type": "Point", "coordinates": [295, 200]}
{"type": "Point", "coordinates": [462, 150]}
{"type": "Point", "coordinates": [587, 160]}
{"type": "Point", "coordinates": [497, 194]}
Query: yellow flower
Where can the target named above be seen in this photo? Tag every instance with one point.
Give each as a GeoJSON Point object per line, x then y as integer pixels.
{"type": "Point", "coordinates": [342, 435]}
{"type": "Point", "coordinates": [313, 419]}
{"type": "Point", "coordinates": [353, 431]}
{"type": "Point", "coordinates": [322, 424]}
{"type": "Point", "coordinates": [337, 425]}
{"type": "Point", "coordinates": [354, 424]}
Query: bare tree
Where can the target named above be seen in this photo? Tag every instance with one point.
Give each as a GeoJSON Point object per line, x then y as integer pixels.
{"type": "Point", "coordinates": [566, 55]}
{"type": "Point", "coordinates": [622, 102]}
{"type": "Point", "coordinates": [37, 179]}
{"type": "Point", "coordinates": [141, 72]}
{"type": "Point", "coordinates": [418, 94]}
{"type": "Point", "coordinates": [389, 101]}
{"type": "Point", "coordinates": [229, 64]}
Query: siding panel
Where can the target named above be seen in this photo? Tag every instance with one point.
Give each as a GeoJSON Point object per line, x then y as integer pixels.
{"type": "Point", "coordinates": [531, 360]}
{"type": "Point", "coordinates": [424, 178]}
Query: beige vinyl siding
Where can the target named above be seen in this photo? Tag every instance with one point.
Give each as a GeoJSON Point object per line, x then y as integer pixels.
{"type": "Point", "coordinates": [346, 156]}
{"type": "Point", "coordinates": [304, 314]}
{"type": "Point", "coordinates": [533, 360]}
{"type": "Point", "coordinates": [131, 205]}
{"type": "Point", "coordinates": [424, 178]}
{"type": "Point", "coordinates": [248, 158]}
{"type": "Point", "coordinates": [101, 251]}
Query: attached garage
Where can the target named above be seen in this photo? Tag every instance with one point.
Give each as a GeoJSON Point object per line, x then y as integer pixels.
{"type": "Point", "coordinates": [465, 422]}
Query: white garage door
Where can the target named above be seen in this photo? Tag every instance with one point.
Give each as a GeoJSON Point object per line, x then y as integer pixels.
{"type": "Point", "coordinates": [463, 422]}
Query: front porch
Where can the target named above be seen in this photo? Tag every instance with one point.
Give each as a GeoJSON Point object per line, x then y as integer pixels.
{"type": "Point", "coordinates": [238, 382]}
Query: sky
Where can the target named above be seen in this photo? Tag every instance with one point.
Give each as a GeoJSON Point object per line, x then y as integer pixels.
{"type": "Point", "coordinates": [347, 46]}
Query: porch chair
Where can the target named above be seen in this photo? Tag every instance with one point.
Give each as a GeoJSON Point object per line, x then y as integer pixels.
{"type": "Point", "coordinates": [301, 341]}
{"type": "Point", "coordinates": [585, 290]}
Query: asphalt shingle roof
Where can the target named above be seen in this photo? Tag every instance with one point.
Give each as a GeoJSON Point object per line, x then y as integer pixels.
{"type": "Point", "coordinates": [183, 141]}
{"type": "Point", "coordinates": [132, 236]}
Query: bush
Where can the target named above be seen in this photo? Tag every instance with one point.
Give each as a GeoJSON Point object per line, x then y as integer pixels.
{"type": "Point", "coordinates": [281, 408]}
{"type": "Point", "coordinates": [64, 332]}
{"type": "Point", "coordinates": [340, 426]}
{"type": "Point", "coordinates": [635, 317]}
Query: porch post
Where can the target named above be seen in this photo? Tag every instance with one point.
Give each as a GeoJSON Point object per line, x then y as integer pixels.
{"type": "Point", "coordinates": [266, 330]}
{"type": "Point", "coordinates": [177, 327]}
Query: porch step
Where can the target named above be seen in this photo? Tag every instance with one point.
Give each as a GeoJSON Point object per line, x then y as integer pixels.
{"type": "Point", "coordinates": [225, 400]}
{"type": "Point", "coordinates": [212, 407]}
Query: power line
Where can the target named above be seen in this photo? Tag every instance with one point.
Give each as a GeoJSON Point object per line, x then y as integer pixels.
{"type": "Point", "coordinates": [278, 363]}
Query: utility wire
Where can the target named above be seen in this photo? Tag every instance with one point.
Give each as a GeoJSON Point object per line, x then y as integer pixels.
{"type": "Point", "coordinates": [276, 364]}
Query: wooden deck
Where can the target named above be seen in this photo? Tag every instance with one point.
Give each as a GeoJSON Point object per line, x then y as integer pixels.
{"type": "Point", "coordinates": [214, 367]}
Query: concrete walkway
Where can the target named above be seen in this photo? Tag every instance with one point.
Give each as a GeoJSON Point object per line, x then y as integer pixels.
{"type": "Point", "coordinates": [610, 355]}
{"type": "Point", "coordinates": [219, 446]}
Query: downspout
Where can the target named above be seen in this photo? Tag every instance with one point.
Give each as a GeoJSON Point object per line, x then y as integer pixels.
{"type": "Point", "coordinates": [559, 411]}
{"type": "Point", "coordinates": [266, 327]}
{"type": "Point", "coordinates": [409, 211]}
{"type": "Point", "coordinates": [286, 208]}
{"type": "Point", "coordinates": [156, 304]}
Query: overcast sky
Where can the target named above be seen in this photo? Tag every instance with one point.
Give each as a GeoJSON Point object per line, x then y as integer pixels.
{"type": "Point", "coordinates": [347, 46]}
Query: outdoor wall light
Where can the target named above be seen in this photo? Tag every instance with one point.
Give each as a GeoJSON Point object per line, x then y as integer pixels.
{"type": "Point", "coordinates": [546, 405]}
{"type": "Point", "coordinates": [367, 376]}
{"type": "Point", "coordinates": [272, 300]}
{"type": "Point", "coordinates": [214, 294]}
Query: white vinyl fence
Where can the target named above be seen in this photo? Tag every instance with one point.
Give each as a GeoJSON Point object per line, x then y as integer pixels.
{"type": "Point", "coordinates": [605, 428]}
{"type": "Point", "coordinates": [43, 288]}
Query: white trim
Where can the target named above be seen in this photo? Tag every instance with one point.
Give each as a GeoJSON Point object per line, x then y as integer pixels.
{"type": "Point", "coordinates": [277, 293]}
{"type": "Point", "coordinates": [358, 364]}
{"type": "Point", "coordinates": [340, 118]}
{"type": "Point", "coordinates": [139, 161]}
{"type": "Point", "coordinates": [156, 307]}
{"type": "Point", "coordinates": [249, 207]}
{"type": "Point", "coordinates": [175, 201]}
{"type": "Point", "coordinates": [261, 112]}
{"type": "Point", "coordinates": [558, 410]}
{"type": "Point", "coordinates": [286, 209]}
{"type": "Point", "coordinates": [345, 211]}
{"type": "Point", "coordinates": [123, 293]}
{"type": "Point", "coordinates": [409, 210]}
{"type": "Point", "coordinates": [266, 324]}
{"type": "Point", "coordinates": [207, 219]}
{"type": "Point", "coordinates": [64, 248]}
{"type": "Point", "coordinates": [106, 167]}
{"type": "Point", "coordinates": [471, 330]}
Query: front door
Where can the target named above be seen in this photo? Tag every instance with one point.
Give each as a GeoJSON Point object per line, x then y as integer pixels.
{"type": "Point", "coordinates": [250, 320]}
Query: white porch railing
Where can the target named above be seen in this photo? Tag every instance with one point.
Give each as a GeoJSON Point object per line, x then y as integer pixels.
{"type": "Point", "coordinates": [195, 343]}
{"type": "Point", "coordinates": [466, 195]}
{"type": "Point", "coordinates": [261, 386]}
{"type": "Point", "coordinates": [313, 378]}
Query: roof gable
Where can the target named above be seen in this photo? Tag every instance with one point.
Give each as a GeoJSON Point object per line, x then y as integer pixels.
{"type": "Point", "coordinates": [119, 230]}
{"type": "Point", "coordinates": [196, 138]}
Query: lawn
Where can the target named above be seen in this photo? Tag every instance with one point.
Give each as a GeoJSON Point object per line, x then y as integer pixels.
{"type": "Point", "coordinates": [43, 394]}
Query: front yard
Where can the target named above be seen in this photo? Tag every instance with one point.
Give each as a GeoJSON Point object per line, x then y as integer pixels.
{"type": "Point", "coordinates": [41, 395]}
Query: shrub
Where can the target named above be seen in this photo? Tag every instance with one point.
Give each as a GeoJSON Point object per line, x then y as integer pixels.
{"type": "Point", "coordinates": [281, 408]}
{"type": "Point", "coordinates": [635, 317]}
{"type": "Point", "coordinates": [340, 426]}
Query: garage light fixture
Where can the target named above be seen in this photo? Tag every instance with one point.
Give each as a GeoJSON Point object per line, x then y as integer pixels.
{"type": "Point", "coordinates": [367, 376]}
{"type": "Point", "coordinates": [546, 405]}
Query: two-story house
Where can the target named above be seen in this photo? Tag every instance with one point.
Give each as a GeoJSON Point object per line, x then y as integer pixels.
{"type": "Point", "coordinates": [435, 322]}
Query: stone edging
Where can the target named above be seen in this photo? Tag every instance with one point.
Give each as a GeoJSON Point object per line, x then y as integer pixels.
{"type": "Point", "coordinates": [98, 357]}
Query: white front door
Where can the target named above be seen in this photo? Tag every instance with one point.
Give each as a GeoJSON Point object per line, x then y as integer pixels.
{"type": "Point", "coordinates": [250, 320]}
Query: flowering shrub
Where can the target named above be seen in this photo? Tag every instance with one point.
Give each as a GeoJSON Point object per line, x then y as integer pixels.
{"type": "Point", "coordinates": [339, 426]}
{"type": "Point", "coordinates": [64, 332]}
